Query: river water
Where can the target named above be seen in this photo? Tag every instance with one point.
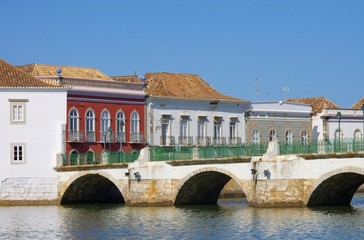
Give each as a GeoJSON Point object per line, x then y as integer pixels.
{"type": "Point", "coordinates": [230, 219]}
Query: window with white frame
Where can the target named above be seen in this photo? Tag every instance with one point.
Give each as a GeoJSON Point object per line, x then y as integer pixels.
{"type": "Point", "coordinates": [272, 135]}
{"type": "Point", "coordinates": [201, 127]}
{"type": "Point", "coordinates": [74, 134]}
{"type": "Point", "coordinates": [304, 136]}
{"type": "Point", "coordinates": [184, 129]}
{"type": "Point", "coordinates": [217, 128]}
{"type": "Point", "coordinates": [289, 136]}
{"type": "Point", "coordinates": [255, 136]}
{"type": "Point", "coordinates": [120, 126]}
{"type": "Point", "coordinates": [17, 153]}
{"type": "Point", "coordinates": [90, 125]}
{"type": "Point", "coordinates": [17, 111]}
{"type": "Point", "coordinates": [135, 127]}
{"type": "Point", "coordinates": [233, 130]}
{"type": "Point", "coordinates": [105, 124]}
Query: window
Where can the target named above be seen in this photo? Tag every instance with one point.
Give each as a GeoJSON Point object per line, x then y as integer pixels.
{"type": "Point", "coordinates": [357, 135]}
{"type": "Point", "coordinates": [166, 138]}
{"type": "Point", "coordinates": [304, 136]}
{"type": "Point", "coordinates": [217, 130]}
{"type": "Point", "coordinates": [233, 129]}
{"type": "Point", "coordinates": [120, 126]}
{"type": "Point", "coordinates": [184, 130]}
{"type": "Point", "coordinates": [272, 135]}
{"type": "Point", "coordinates": [105, 124]}
{"type": "Point", "coordinates": [74, 135]}
{"type": "Point", "coordinates": [17, 111]}
{"type": "Point", "coordinates": [201, 127]}
{"type": "Point", "coordinates": [134, 127]}
{"type": "Point", "coordinates": [17, 153]}
{"type": "Point", "coordinates": [255, 136]}
{"type": "Point", "coordinates": [289, 136]}
{"type": "Point", "coordinates": [90, 125]}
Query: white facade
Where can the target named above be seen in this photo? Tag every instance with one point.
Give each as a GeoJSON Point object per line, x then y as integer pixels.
{"type": "Point", "coordinates": [326, 124]}
{"type": "Point", "coordinates": [187, 122]}
{"type": "Point", "coordinates": [31, 142]}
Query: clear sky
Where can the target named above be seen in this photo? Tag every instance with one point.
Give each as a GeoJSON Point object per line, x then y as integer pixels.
{"type": "Point", "coordinates": [309, 47]}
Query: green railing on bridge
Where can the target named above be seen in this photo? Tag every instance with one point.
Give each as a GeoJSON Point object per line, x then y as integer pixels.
{"type": "Point", "coordinates": [169, 153]}
{"type": "Point", "coordinates": [246, 150]}
{"type": "Point", "coordinates": [91, 158]}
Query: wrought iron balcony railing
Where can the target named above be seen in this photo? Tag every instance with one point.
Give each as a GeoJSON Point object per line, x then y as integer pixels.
{"type": "Point", "coordinates": [75, 136]}
{"type": "Point", "coordinates": [137, 138]}
{"type": "Point", "coordinates": [185, 141]}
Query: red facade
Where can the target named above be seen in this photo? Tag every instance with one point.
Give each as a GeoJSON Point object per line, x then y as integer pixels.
{"type": "Point", "coordinates": [94, 122]}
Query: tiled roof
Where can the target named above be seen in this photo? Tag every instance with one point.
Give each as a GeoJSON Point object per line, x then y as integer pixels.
{"type": "Point", "coordinates": [358, 104]}
{"type": "Point", "coordinates": [132, 79]}
{"type": "Point", "coordinates": [178, 85]}
{"type": "Point", "coordinates": [12, 77]}
{"type": "Point", "coordinates": [43, 70]}
{"type": "Point", "coordinates": [317, 103]}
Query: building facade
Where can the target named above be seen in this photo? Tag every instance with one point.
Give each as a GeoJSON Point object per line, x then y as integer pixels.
{"type": "Point", "coordinates": [278, 120]}
{"type": "Point", "coordinates": [31, 123]}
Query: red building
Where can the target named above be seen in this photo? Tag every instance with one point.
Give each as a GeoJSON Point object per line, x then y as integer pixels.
{"type": "Point", "coordinates": [103, 114]}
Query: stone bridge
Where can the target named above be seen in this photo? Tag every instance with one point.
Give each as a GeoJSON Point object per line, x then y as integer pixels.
{"type": "Point", "coordinates": [268, 181]}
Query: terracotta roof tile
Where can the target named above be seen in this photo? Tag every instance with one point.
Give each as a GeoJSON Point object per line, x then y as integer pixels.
{"type": "Point", "coordinates": [178, 85]}
{"type": "Point", "coordinates": [44, 70]}
{"type": "Point", "coordinates": [132, 78]}
{"type": "Point", "coordinates": [12, 77]}
{"type": "Point", "coordinates": [317, 103]}
{"type": "Point", "coordinates": [358, 104]}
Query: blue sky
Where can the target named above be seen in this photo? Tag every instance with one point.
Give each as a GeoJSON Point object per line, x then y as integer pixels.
{"type": "Point", "coordinates": [311, 47]}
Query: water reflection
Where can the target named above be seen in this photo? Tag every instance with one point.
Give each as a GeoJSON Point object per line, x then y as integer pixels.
{"type": "Point", "coordinates": [230, 219]}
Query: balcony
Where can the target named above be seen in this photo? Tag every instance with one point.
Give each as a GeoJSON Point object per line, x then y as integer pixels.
{"type": "Point", "coordinates": [75, 136]}
{"type": "Point", "coordinates": [235, 141]}
{"type": "Point", "coordinates": [168, 141]}
{"type": "Point", "coordinates": [185, 141]}
{"type": "Point", "coordinates": [90, 136]}
{"type": "Point", "coordinates": [203, 141]}
{"type": "Point", "coordinates": [219, 141]}
{"type": "Point", "coordinates": [107, 137]}
{"type": "Point", "coordinates": [120, 137]}
{"type": "Point", "coordinates": [137, 138]}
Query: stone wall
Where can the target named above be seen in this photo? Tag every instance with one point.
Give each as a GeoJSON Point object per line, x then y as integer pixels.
{"type": "Point", "coordinates": [26, 191]}
{"type": "Point", "coordinates": [152, 192]}
{"type": "Point", "coordinates": [280, 193]}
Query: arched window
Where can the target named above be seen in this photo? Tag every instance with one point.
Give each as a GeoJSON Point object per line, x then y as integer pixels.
{"type": "Point", "coordinates": [255, 136]}
{"type": "Point", "coordinates": [90, 157]}
{"type": "Point", "coordinates": [90, 125]}
{"type": "Point", "coordinates": [289, 136]}
{"type": "Point", "coordinates": [272, 135]}
{"type": "Point", "coordinates": [74, 134]}
{"type": "Point", "coordinates": [120, 126]}
{"type": "Point", "coordinates": [134, 127]}
{"type": "Point", "coordinates": [357, 134]}
{"type": "Point", "coordinates": [304, 136]}
{"type": "Point", "coordinates": [105, 124]}
{"type": "Point", "coordinates": [73, 120]}
{"type": "Point", "coordinates": [74, 157]}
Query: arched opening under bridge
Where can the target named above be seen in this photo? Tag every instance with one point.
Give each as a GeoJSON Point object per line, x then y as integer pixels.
{"type": "Point", "coordinates": [336, 190]}
{"type": "Point", "coordinates": [92, 188]}
{"type": "Point", "coordinates": [202, 188]}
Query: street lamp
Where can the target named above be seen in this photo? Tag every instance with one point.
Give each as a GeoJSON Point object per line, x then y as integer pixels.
{"type": "Point", "coordinates": [338, 116]}
{"type": "Point", "coordinates": [109, 130]}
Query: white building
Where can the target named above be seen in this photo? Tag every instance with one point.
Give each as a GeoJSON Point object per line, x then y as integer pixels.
{"type": "Point", "coordinates": [184, 110]}
{"type": "Point", "coordinates": [329, 121]}
{"type": "Point", "coordinates": [32, 121]}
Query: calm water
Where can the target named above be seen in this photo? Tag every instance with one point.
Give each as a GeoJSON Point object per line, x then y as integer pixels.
{"type": "Point", "coordinates": [231, 219]}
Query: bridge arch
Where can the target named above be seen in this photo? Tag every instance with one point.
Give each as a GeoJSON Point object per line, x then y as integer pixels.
{"type": "Point", "coordinates": [336, 187]}
{"type": "Point", "coordinates": [91, 187]}
{"type": "Point", "coordinates": [203, 186]}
